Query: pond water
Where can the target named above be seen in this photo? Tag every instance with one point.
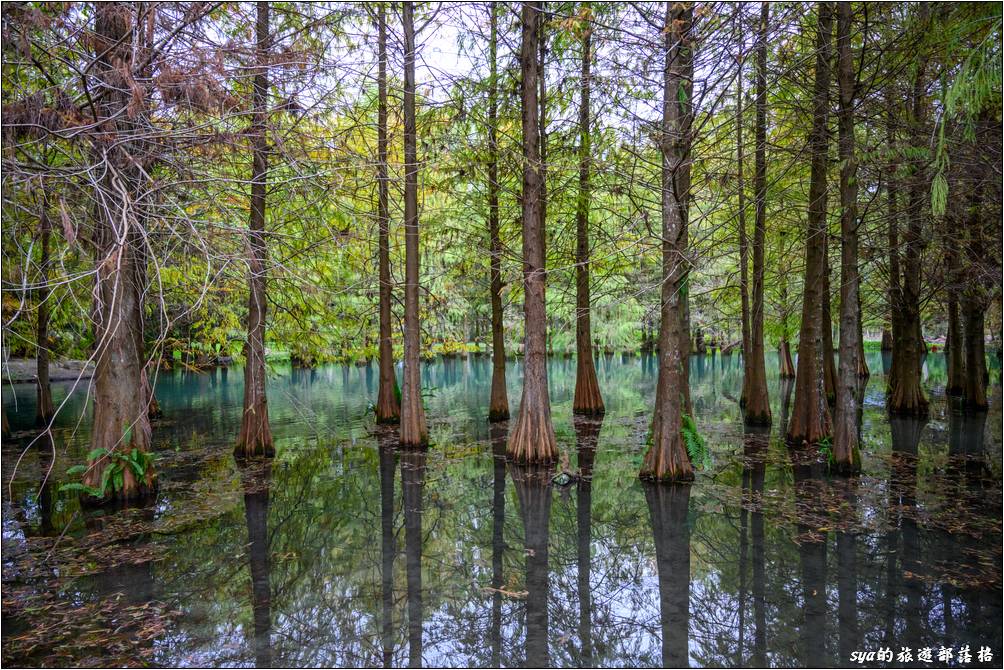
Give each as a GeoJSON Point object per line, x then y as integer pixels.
{"type": "Point", "coordinates": [347, 552]}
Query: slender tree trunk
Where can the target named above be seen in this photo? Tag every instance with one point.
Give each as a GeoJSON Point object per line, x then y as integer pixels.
{"type": "Point", "coordinates": [954, 348]}
{"type": "Point", "coordinates": [388, 407]}
{"type": "Point", "coordinates": [120, 423]}
{"type": "Point", "coordinates": [757, 408]}
{"type": "Point", "coordinates": [786, 367]}
{"type": "Point", "coordinates": [255, 438]}
{"type": "Point", "coordinates": [414, 431]}
{"type": "Point", "coordinates": [532, 438]}
{"type": "Point", "coordinates": [744, 286]}
{"type": "Point", "coordinates": [974, 315]}
{"type": "Point", "coordinates": [905, 395]}
{"type": "Point", "coordinates": [846, 450]}
{"type": "Point", "coordinates": [810, 416]}
{"type": "Point", "coordinates": [498, 408]}
{"type": "Point", "coordinates": [976, 296]}
{"type": "Point", "coordinates": [43, 407]}
{"type": "Point", "coordinates": [667, 458]}
{"type": "Point", "coordinates": [829, 367]}
{"type": "Point", "coordinates": [587, 399]}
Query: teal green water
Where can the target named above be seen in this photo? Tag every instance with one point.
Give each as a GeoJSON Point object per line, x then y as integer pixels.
{"type": "Point", "coordinates": [347, 552]}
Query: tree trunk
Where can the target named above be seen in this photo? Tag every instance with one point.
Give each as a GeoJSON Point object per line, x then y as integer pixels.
{"type": "Point", "coordinates": [905, 395]}
{"type": "Point", "coordinates": [886, 334]}
{"type": "Point", "coordinates": [846, 449]}
{"type": "Point", "coordinates": [498, 408]}
{"type": "Point", "coordinates": [829, 367]}
{"type": "Point", "coordinates": [954, 344]}
{"type": "Point", "coordinates": [388, 407]}
{"type": "Point", "coordinates": [744, 286]}
{"type": "Point", "coordinates": [974, 392]}
{"type": "Point", "coordinates": [810, 416]}
{"type": "Point", "coordinates": [587, 399]}
{"type": "Point", "coordinates": [255, 438]}
{"type": "Point", "coordinates": [414, 432]}
{"type": "Point", "coordinates": [786, 366]}
{"type": "Point", "coordinates": [532, 438]}
{"type": "Point", "coordinates": [757, 408]}
{"type": "Point", "coordinates": [120, 423]}
{"type": "Point", "coordinates": [43, 407]}
{"type": "Point", "coordinates": [667, 458]}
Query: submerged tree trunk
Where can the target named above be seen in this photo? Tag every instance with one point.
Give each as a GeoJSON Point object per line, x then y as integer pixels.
{"type": "Point", "coordinates": [810, 417]}
{"type": "Point", "coordinates": [667, 458]}
{"type": "Point", "coordinates": [905, 395]}
{"type": "Point", "coordinates": [120, 423]}
{"type": "Point", "coordinates": [43, 407]}
{"type": "Point", "coordinates": [498, 407]}
{"type": "Point", "coordinates": [532, 438]}
{"type": "Point", "coordinates": [846, 450]}
{"type": "Point", "coordinates": [587, 399]}
{"type": "Point", "coordinates": [255, 438]}
{"type": "Point", "coordinates": [757, 408]}
{"type": "Point", "coordinates": [388, 407]}
{"type": "Point", "coordinates": [414, 432]}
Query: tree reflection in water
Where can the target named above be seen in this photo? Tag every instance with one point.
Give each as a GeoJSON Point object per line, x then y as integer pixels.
{"type": "Point", "coordinates": [533, 490]}
{"type": "Point", "coordinates": [256, 476]}
{"type": "Point", "coordinates": [413, 463]}
{"type": "Point", "coordinates": [669, 507]}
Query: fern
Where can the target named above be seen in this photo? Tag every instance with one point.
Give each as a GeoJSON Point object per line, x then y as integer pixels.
{"type": "Point", "coordinates": [696, 447]}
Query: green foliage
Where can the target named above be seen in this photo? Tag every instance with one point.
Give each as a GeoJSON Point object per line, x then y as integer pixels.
{"type": "Point", "coordinates": [825, 446]}
{"type": "Point", "coordinates": [113, 476]}
{"type": "Point", "coordinates": [697, 449]}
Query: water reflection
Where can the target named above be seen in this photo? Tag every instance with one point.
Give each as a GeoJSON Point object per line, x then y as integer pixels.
{"type": "Point", "coordinates": [533, 491]}
{"type": "Point", "coordinates": [669, 507]}
{"type": "Point", "coordinates": [413, 464]}
{"type": "Point", "coordinates": [255, 480]}
{"type": "Point", "coordinates": [762, 561]}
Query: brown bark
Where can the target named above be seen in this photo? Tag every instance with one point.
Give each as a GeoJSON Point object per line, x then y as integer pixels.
{"type": "Point", "coordinates": [669, 507]}
{"type": "Point", "coordinates": [587, 399]}
{"type": "Point", "coordinates": [846, 448]}
{"type": "Point", "coordinates": [974, 394]}
{"type": "Point", "coordinates": [744, 291]}
{"type": "Point", "coordinates": [954, 348]}
{"type": "Point", "coordinates": [388, 408]}
{"type": "Point", "coordinates": [886, 333]}
{"type": "Point", "coordinates": [120, 420]}
{"type": "Point", "coordinates": [786, 366]}
{"type": "Point", "coordinates": [532, 438]}
{"type": "Point", "coordinates": [810, 416]}
{"type": "Point", "coordinates": [498, 407]}
{"type": "Point", "coordinates": [43, 406]}
{"type": "Point", "coordinates": [667, 458]}
{"type": "Point", "coordinates": [756, 411]}
{"type": "Point", "coordinates": [255, 437]}
{"type": "Point", "coordinates": [905, 395]}
{"type": "Point", "coordinates": [414, 432]}
{"type": "Point", "coordinates": [829, 366]}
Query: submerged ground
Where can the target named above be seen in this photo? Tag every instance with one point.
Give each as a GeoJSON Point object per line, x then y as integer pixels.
{"type": "Point", "coordinates": [345, 552]}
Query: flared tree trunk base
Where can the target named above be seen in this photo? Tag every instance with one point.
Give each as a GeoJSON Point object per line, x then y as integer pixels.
{"type": "Point", "coordinates": [532, 438]}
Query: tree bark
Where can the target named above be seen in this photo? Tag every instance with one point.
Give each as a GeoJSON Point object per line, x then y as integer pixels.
{"type": "Point", "coordinates": [667, 458]}
{"type": "Point", "coordinates": [414, 432]}
{"type": "Point", "coordinates": [756, 411]}
{"type": "Point", "coordinates": [388, 407]}
{"type": "Point", "coordinates": [744, 290]}
{"type": "Point", "coordinates": [255, 438]}
{"type": "Point", "coordinates": [43, 407]}
{"type": "Point", "coordinates": [532, 438]}
{"type": "Point", "coordinates": [905, 395]}
{"type": "Point", "coordinates": [846, 449]}
{"type": "Point", "coordinates": [587, 398]}
{"type": "Point", "coordinates": [120, 423]}
{"type": "Point", "coordinates": [810, 416]}
{"type": "Point", "coordinates": [498, 407]}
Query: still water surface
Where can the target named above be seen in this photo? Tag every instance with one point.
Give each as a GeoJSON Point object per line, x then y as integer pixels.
{"type": "Point", "coordinates": [347, 552]}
